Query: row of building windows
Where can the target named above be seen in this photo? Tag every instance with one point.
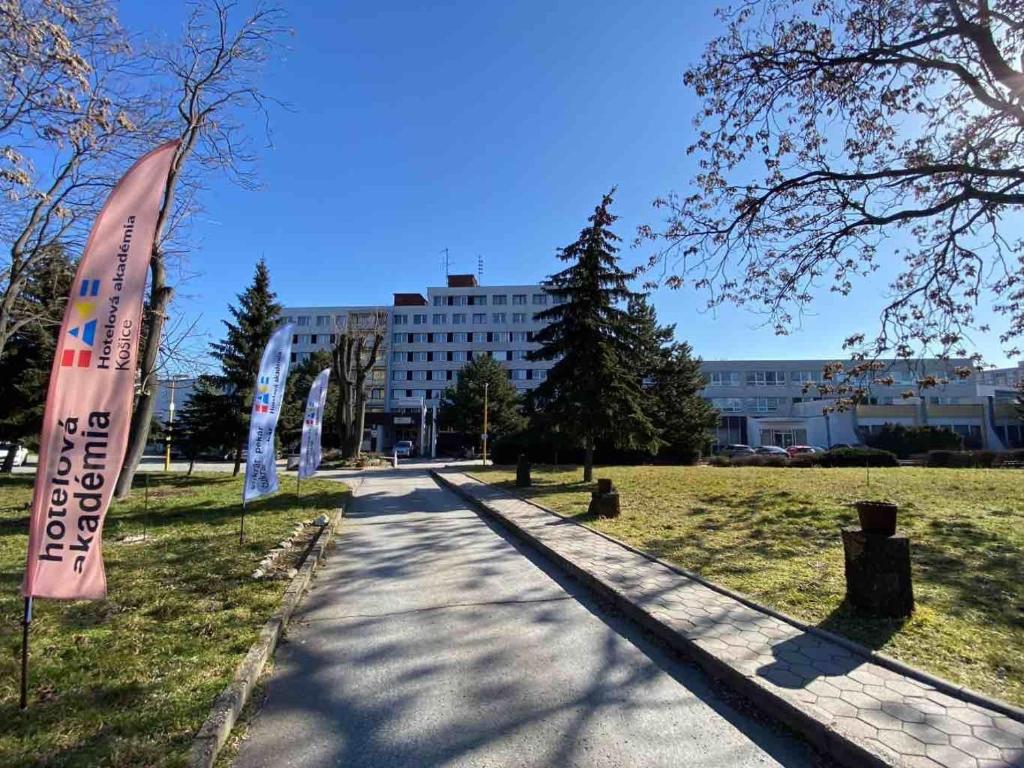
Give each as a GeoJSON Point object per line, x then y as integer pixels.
{"type": "Point", "coordinates": [747, 404]}
{"type": "Point", "coordinates": [781, 378]}
{"type": "Point", "coordinates": [497, 300]}
{"type": "Point", "coordinates": [461, 318]}
{"type": "Point", "coordinates": [456, 355]}
{"type": "Point", "coordinates": [462, 337]}
{"type": "Point", "coordinates": [361, 320]}
{"type": "Point", "coordinates": [516, 374]}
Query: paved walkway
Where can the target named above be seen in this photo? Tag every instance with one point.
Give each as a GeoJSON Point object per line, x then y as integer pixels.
{"type": "Point", "coordinates": [832, 691]}
{"type": "Point", "coordinates": [429, 639]}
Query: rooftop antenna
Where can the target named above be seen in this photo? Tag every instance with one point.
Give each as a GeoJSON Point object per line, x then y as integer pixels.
{"type": "Point", "coordinates": [444, 262]}
{"type": "Point", "coordinates": [479, 269]}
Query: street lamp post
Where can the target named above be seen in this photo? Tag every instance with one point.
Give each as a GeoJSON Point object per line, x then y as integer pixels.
{"type": "Point", "coordinates": [170, 428]}
{"type": "Point", "coordinates": [486, 386]}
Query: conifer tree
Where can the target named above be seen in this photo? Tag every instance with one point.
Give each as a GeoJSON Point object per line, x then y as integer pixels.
{"type": "Point", "coordinates": [462, 407]}
{"type": "Point", "coordinates": [672, 380]}
{"type": "Point", "coordinates": [28, 357]}
{"type": "Point", "coordinates": [592, 393]}
{"type": "Point", "coordinates": [253, 323]}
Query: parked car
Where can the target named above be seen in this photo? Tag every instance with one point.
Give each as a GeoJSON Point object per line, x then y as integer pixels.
{"type": "Point", "coordinates": [736, 449]}
{"type": "Point", "coordinates": [771, 450]}
{"type": "Point", "coordinates": [796, 450]}
{"type": "Point", "coordinates": [20, 453]}
{"type": "Point", "coordinates": [403, 449]}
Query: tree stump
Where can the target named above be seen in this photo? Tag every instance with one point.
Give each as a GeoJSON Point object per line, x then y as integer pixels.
{"type": "Point", "coordinates": [604, 502]}
{"type": "Point", "coordinates": [878, 580]}
{"type": "Point", "coordinates": [523, 472]}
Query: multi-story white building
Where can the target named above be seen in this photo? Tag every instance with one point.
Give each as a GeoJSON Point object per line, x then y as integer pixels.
{"type": "Point", "coordinates": [433, 337]}
{"type": "Point", "coordinates": [429, 338]}
{"type": "Point", "coordinates": [782, 402]}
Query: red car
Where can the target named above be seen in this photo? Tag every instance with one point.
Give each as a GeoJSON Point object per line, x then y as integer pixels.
{"type": "Point", "coordinates": [796, 450]}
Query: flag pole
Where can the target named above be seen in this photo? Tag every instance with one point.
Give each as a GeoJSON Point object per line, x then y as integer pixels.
{"type": "Point", "coordinates": [26, 621]}
{"type": "Point", "coordinates": [241, 527]}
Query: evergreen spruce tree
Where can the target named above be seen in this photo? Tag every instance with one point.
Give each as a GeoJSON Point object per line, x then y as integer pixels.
{"type": "Point", "coordinates": [253, 323]}
{"type": "Point", "coordinates": [28, 357]}
{"type": "Point", "coordinates": [672, 380]}
{"type": "Point", "coordinates": [592, 393]}
{"type": "Point", "coordinates": [462, 406]}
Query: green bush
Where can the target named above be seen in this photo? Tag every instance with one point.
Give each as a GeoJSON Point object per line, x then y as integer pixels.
{"type": "Point", "coordinates": [719, 461]}
{"type": "Point", "coordinates": [904, 441]}
{"type": "Point", "coordinates": [759, 460]}
{"type": "Point", "coordinates": [859, 457]}
{"type": "Point", "coordinates": [1013, 458]}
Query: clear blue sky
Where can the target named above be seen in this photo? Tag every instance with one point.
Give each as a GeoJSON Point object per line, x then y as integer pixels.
{"type": "Point", "coordinates": [487, 128]}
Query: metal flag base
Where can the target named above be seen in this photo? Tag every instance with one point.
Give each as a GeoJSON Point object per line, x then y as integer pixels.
{"type": "Point", "coordinates": [25, 622]}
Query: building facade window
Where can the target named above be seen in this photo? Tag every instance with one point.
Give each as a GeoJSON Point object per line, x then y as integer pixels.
{"type": "Point", "coordinates": [439, 301]}
{"type": "Point", "coordinates": [766, 378]}
{"type": "Point", "coordinates": [459, 318]}
{"type": "Point", "coordinates": [517, 336]}
{"type": "Point", "coordinates": [303, 320]}
{"type": "Point", "coordinates": [479, 337]}
{"type": "Point", "coordinates": [519, 299]}
{"type": "Point", "coordinates": [461, 337]}
{"type": "Point", "coordinates": [440, 318]}
{"type": "Point", "coordinates": [540, 299]}
{"type": "Point", "coordinates": [763, 404]}
{"type": "Point", "coordinates": [479, 318]}
{"type": "Point", "coordinates": [420, 357]}
{"type": "Point", "coordinates": [323, 320]}
{"type": "Point", "coordinates": [499, 299]}
{"type": "Point", "coordinates": [519, 374]}
{"type": "Point", "coordinates": [459, 356]}
{"type": "Point", "coordinates": [727, 404]}
{"type": "Point", "coordinates": [419, 319]}
{"type": "Point", "coordinates": [725, 378]}
{"type": "Point", "coordinates": [518, 317]}
{"type": "Point", "coordinates": [499, 317]}
{"type": "Point", "coordinates": [419, 338]}
{"type": "Point", "coordinates": [401, 319]}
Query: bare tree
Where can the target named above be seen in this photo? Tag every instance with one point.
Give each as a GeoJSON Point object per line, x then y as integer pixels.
{"type": "Point", "coordinates": [65, 101]}
{"type": "Point", "coordinates": [214, 70]}
{"type": "Point", "coordinates": [828, 129]}
{"type": "Point", "coordinates": [354, 356]}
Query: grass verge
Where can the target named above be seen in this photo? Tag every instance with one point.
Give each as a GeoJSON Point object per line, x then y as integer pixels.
{"type": "Point", "coordinates": [773, 534]}
{"type": "Point", "coordinates": [128, 680]}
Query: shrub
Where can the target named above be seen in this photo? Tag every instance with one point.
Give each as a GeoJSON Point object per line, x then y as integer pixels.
{"type": "Point", "coordinates": [1013, 458]}
{"type": "Point", "coordinates": [983, 459]}
{"type": "Point", "coordinates": [720, 461]}
{"type": "Point", "coordinates": [903, 441]}
{"type": "Point", "coordinates": [804, 460]}
{"type": "Point", "coordinates": [759, 460]}
{"type": "Point", "coordinates": [859, 457]}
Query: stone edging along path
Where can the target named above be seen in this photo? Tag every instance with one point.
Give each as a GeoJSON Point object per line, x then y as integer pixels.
{"type": "Point", "coordinates": [213, 733]}
{"type": "Point", "coordinates": [850, 706]}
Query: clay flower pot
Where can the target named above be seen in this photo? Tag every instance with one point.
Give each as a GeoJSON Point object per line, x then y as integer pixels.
{"type": "Point", "coordinates": [877, 517]}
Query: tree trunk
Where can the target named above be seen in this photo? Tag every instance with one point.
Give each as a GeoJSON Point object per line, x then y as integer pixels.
{"type": "Point", "coordinates": [362, 424]}
{"type": "Point", "coordinates": [238, 461]}
{"type": "Point", "coordinates": [160, 297]}
{"type": "Point", "coordinates": [588, 462]}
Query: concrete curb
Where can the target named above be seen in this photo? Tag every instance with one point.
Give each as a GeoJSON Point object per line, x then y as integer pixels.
{"type": "Point", "coordinates": [214, 732]}
{"type": "Point", "coordinates": [834, 743]}
{"type": "Point", "coordinates": [881, 659]}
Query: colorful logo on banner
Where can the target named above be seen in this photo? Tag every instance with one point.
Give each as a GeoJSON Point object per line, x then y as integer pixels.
{"type": "Point", "coordinates": [263, 395]}
{"type": "Point", "coordinates": [83, 333]}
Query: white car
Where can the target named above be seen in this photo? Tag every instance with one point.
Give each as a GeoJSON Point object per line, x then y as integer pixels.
{"type": "Point", "coordinates": [403, 449]}
{"type": "Point", "coordinates": [20, 453]}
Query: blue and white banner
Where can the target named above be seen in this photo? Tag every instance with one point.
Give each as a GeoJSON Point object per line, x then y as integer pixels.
{"type": "Point", "coordinates": [312, 424]}
{"type": "Point", "coordinates": [260, 469]}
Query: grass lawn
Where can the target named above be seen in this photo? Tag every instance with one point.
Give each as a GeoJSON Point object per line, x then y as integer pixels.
{"type": "Point", "coordinates": [128, 680]}
{"type": "Point", "coordinates": [773, 534]}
